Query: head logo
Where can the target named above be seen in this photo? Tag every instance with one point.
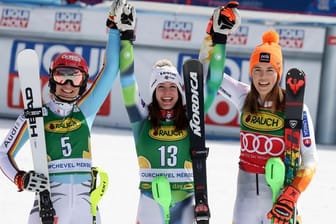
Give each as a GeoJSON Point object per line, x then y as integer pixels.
{"type": "Point", "coordinates": [68, 22]}
{"type": "Point", "coordinates": [177, 30]}
{"type": "Point", "coordinates": [16, 18]}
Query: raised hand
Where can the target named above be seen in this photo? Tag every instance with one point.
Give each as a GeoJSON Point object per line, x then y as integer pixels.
{"type": "Point", "coordinates": [224, 20]}
{"type": "Point", "coordinates": [122, 16]}
{"type": "Point", "coordinates": [116, 5]}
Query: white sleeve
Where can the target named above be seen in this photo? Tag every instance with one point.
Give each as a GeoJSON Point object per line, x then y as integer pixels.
{"type": "Point", "coordinates": [234, 90]}
{"type": "Point", "coordinates": [11, 145]}
{"type": "Point", "coordinates": [308, 144]}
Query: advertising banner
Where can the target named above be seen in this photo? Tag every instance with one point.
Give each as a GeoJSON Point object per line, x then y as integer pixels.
{"type": "Point", "coordinates": [158, 35]}
{"type": "Point", "coordinates": [318, 7]}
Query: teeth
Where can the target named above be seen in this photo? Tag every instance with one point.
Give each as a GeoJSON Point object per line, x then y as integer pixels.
{"type": "Point", "coordinates": [67, 91]}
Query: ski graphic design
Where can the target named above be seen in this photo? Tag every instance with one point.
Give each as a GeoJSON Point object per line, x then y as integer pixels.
{"type": "Point", "coordinates": [193, 81]}
{"type": "Point", "coordinates": [29, 75]}
{"type": "Point", "coordinates": [295, 89]}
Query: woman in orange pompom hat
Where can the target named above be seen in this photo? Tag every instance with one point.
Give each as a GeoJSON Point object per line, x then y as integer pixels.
{"type": "Point", "coordinates": [262, 105]}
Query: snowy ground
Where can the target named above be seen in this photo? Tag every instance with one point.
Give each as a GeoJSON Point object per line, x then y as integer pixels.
{"type": "Point", "coordinates": [113, 150]}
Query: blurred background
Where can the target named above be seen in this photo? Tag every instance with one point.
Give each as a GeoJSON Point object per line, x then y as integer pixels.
{"type": "Point", "coordinates": [174, 30]}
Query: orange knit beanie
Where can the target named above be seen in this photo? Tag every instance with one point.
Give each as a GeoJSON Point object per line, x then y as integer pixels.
{"type": "Point", "coordinates": [269, 51]}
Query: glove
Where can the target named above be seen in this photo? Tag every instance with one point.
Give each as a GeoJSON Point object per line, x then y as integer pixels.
{"type": "Point", "coordinates": [283, 208]}
{"type": "Point", "coordinates": [110, 22]}
{"type": "Point", "coordinates": [125, 21]}
{"type": "Point", "coordinates": [225, 20]}
{"type": "Point", "coordinates": [122, 17]}
{"type": "Point", "coordinates": [31, 181]}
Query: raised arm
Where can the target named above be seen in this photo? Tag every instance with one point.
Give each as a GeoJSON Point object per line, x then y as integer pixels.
{"type": "Point", "coordinates": [224, 20]}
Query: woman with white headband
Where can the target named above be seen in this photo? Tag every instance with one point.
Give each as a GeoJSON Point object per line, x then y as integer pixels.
{"type": "Point", "coordinates": [160, 133]}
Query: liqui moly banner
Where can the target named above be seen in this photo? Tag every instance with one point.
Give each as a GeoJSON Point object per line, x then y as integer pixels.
{"type": "Point", "coordinates": [176, 36]}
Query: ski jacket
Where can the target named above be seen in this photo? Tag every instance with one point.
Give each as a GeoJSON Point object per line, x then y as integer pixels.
{"type": "Point", "coordinates": [67, 126]}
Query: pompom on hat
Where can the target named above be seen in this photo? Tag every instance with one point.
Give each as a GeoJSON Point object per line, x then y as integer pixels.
{"type": "Point", "coordinates": [269, 51]}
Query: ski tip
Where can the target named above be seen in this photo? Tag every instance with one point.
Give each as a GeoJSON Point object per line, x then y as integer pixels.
{"type": "Point", "coordinates": [192, 61]}
{"type": "Point", "coordinates": [192, 65]}
{"type": "Point", "coordinates": [27, 57]}
{"type": "Point", "coordinates": [295, 71]}
{"type": "Point", "coordinates": [27, 52]}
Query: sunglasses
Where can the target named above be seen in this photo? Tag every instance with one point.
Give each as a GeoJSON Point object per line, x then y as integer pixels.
{"type": "Point", "coordinates": [74, 75]}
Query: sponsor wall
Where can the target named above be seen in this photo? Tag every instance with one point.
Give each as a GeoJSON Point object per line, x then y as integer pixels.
{"type": "Point", "coordinates": [319, 7]}
{"type": "Point", "coordinates": [172, 34]}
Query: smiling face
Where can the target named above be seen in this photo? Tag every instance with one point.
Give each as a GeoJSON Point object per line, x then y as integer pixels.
{"type": "Point", "coordinates": [264, 78]}
{"type": "Point", "coordinates": [67, 92]}
{"type": "Point", "coordinates": [166, 95]}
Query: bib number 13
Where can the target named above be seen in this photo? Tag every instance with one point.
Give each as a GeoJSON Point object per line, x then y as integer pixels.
{"type": "Point", "coordinates": [168, 155]}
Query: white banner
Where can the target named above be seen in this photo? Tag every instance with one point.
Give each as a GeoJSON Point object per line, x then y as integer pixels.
{"type": "Point", "coordinates": [158, 35]}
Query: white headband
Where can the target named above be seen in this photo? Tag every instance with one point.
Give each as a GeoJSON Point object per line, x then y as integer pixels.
{"type": "Point", "coordinates": [165, 74]}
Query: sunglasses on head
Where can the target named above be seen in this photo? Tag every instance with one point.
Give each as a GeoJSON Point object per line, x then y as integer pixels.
{"type": "Point", "coordinates": [74, 75]}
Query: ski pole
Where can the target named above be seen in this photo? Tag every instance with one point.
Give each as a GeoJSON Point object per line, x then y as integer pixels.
{"type": "Point", "coordinates": [275, 176]}
{"type": "Point", "coordinates": [162, 195]}
{"type": "Point", "coordinates": [97, 192]}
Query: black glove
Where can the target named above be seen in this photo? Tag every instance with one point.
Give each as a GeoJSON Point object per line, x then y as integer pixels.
{"type": "Point", "coordinates": [31, 181]}
{"type": "Point", "coordinates": [224, 20]}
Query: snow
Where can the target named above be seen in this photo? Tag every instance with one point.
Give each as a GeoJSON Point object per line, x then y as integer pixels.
{"type": "Point", "coordinates": [113, 150]}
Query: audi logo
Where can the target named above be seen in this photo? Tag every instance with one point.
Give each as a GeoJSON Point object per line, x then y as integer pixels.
{"type": "Point", "coordinates": [262, 144]}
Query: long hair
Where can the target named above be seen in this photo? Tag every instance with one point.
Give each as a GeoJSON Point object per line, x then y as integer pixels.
{"type": "Point", "coordinates": [180, 120]}
{"type": "Point", "coordinates": [276, 96]}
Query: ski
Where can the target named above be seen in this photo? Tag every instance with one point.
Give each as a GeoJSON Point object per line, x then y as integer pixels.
{"type": "Point", "coordinates": [275, 176]}
{"type": "Point", "coordinates": [295, 88]}
{"type": "Point", "coordinates": [29, 76]}
{"type": "Point", "coordinates": [162, 195]}
{"type": "Point", "coordinates": [193, 81]}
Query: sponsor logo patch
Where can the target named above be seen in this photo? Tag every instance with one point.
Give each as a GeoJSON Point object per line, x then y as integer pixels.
{"type": "Point", "coordinates": [263, 121]}
{"type": "Point", "coordinates": [177, 30]}
{"type": "Point", "coordinates": [167, 133]}
{"type": "Point", "coordinates": [63, 126]}
{"type": "Point", "coordinates": [68, 22]}
{"type": "Point", "coordinates": [17, 18]}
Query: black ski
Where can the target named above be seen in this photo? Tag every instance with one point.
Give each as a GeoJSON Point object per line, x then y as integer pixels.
{"type": "Point", "coordinates": [295, 89]}
{"type": "Point", "coordinates": [193, 81]}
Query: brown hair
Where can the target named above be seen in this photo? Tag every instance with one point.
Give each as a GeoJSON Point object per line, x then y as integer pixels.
{"type": "Point", "coordinates": [276, 96]}
{"type": "Point", "coordinates": [180, 121]}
